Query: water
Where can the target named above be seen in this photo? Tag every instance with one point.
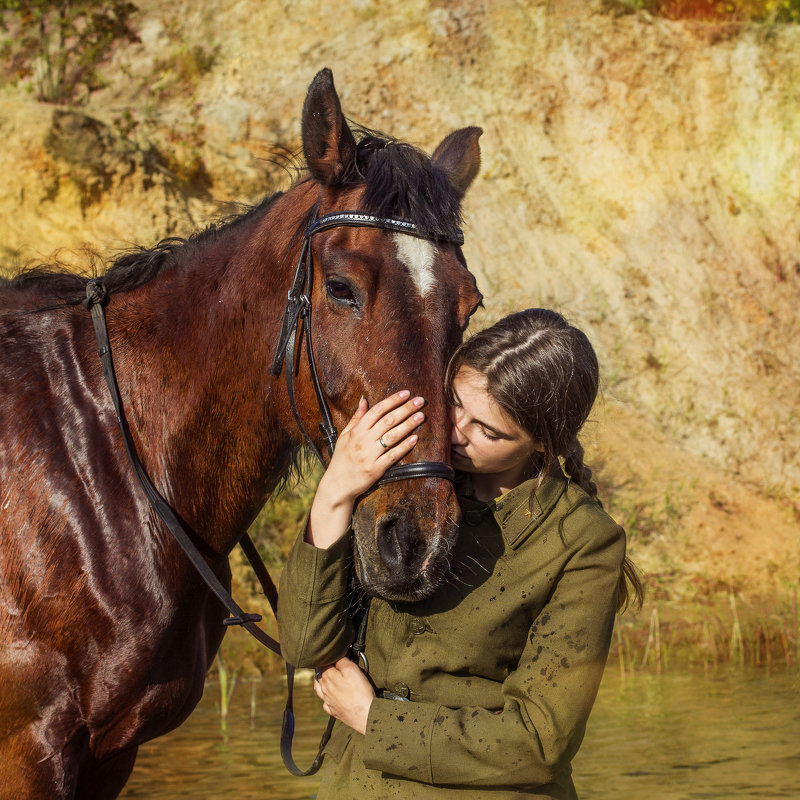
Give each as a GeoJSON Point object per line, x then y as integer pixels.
{"type": "Point", "coordinates": [735, 734]}
{"type": "Point", "coordinates": [732, 734]}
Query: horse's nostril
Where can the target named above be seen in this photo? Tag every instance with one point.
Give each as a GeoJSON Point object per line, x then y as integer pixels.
{"type": "Point", "coordinates": [393, 541]}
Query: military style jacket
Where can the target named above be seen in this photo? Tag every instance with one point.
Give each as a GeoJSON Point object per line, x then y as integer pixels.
{"type": "Point", "coordinates": [498, 670]}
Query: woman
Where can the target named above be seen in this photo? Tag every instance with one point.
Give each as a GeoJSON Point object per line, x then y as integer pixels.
{"type": "Point", "coordinates": [500, 667]}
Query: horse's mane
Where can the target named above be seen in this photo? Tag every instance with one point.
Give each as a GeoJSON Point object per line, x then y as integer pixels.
{"type": "Point", "coordinates": [130, 270]}
{"type": "Point", "coordinates": [399, 180]}
{"type": "Point", "coordinates": [402, 181]}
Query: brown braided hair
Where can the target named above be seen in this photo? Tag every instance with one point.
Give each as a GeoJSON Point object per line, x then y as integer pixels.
{"type": "Point", "coordinates": [543, 373]}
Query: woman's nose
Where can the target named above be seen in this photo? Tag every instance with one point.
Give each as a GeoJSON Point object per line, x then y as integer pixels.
{"type": "Point", "coordinates": [457, 437]}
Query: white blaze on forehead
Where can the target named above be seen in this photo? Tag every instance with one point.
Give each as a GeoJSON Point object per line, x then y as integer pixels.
{"type": "Point", "coordinates": [417, 255]}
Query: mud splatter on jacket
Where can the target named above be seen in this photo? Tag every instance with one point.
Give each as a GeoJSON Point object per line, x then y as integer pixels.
{"type": "Point", "coordinates": [500, 666]}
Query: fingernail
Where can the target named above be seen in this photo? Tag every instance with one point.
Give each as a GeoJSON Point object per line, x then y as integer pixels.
{"type": "Point", "coordinates": [404, 393]}
{"type": "Point", "coordinates": [413, 438]}
{"type": "Point", "coordinates": [418, 417]}
{"type": "Point", "coordinates": [418, 401]}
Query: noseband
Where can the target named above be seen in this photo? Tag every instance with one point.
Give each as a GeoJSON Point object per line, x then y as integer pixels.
{"type": "Point", "coordinates": [297, 321]}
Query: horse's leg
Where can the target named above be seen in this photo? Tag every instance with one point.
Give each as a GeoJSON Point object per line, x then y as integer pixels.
{"type": "Point", "coordinates": [105, 780]}
{"type": "Point", "coordinates": [23, 776]}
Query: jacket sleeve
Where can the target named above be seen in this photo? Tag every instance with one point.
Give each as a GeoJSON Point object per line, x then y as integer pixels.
{"type": "Point", "coordinates": [314, 625]}
{"type": "Point", "coordinates": [547, 698]}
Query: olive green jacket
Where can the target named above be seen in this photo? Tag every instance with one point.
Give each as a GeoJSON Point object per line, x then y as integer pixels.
{"type": "Point", "coordinates": [500, 666]}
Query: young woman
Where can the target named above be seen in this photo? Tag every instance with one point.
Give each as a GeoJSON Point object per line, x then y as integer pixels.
{"type": "Point", "coordinates": [500, 667]}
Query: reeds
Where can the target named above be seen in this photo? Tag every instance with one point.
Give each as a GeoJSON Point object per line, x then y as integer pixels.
{"type": "Point", "coordinates": [727, 630]}
{"type": "Point", "coordinates": [653, 642]}
{"type": "Point", "coordinates": [226, 686]}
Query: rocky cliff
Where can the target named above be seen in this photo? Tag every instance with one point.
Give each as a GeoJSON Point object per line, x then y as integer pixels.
{"type": "Point", "coordinates": [640, 175]}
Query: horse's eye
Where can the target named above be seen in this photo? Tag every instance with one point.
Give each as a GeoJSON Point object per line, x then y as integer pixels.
{"type": "Point", "coordinates": [339, 290]}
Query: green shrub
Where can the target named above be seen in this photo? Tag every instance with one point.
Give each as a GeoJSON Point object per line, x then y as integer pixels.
{"type": "Point", "coordinates": [60, 45]}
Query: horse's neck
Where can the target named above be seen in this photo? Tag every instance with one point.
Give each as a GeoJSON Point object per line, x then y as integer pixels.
{"type": "Point", "coordinates": [195, 352]}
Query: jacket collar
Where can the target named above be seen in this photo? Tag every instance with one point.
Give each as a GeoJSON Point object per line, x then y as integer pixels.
{"type": "Point", "coordinates": [518, 514]}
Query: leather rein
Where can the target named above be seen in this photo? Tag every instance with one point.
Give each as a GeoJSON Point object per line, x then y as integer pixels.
{"type": "Point", "coordinates": [296, 321]}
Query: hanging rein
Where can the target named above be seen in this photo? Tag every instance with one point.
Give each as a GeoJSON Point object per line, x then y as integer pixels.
{"type": "Point", "coordinates": [296, 322]}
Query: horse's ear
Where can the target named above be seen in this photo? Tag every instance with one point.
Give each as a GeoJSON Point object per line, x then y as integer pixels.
{"type": "Point", "coordinates": [459, 155]}
{"type": "Point", "coordinates": [328, 144]}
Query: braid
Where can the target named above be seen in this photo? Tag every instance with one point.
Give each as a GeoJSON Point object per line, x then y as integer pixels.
{"type": "Point", "coordinates": [629, 584]}
{"type": "Point", "coordinates": [630, 588]}
{"type": "Point", "coordinates": [578, 471]}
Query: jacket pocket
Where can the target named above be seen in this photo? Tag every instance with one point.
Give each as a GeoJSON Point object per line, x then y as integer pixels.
{"type": "Point", "coordinates": [337, 744]}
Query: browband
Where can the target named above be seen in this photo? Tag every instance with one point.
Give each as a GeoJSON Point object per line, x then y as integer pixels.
{"type": "Point", "coordinates": [357, 219]}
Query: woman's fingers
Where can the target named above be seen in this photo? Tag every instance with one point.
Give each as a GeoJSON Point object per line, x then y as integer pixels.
{"type": "Point", "coordinates": [394, 454]}
{"type": "Point", "coordinates": [373, 440]}
{"type": "Point", "coordinates": [391, 410]}
{"type": "Point", "coordinates": [385, 406]}
{"type": "Point", "coordinates": [385, 414]}
{"type": "Point", "coordinates": [398, 433]}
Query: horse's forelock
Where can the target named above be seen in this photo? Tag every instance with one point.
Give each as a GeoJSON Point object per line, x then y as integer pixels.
{"type": "Point", "coordinates": [401, 181]}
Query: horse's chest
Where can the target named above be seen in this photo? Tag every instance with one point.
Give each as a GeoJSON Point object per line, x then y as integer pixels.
{"type": "Point", "coordinates": [130, 699]}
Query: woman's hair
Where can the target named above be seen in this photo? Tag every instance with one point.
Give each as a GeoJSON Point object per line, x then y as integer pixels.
{"type": "Point", "coordinates": [543, 373]}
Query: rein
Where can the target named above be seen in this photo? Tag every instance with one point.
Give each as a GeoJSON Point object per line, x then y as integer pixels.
{"type": "Point", "coordinates": [296, 321]}
{"type": "Point", "coordinates": [95, 301]}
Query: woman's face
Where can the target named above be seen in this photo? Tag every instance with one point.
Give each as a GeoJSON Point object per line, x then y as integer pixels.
{"type": "Point", "coordinates": [485, 440]}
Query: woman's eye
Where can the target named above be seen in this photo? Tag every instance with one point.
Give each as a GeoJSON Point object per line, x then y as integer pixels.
{"type": "Point", "coordinates": [489, 435]}
{"type": "Point", "coordinates": [340, 291]}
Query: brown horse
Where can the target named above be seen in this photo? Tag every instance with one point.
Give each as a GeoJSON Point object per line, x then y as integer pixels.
{"type": "Point", "coordinates": [106, 631]}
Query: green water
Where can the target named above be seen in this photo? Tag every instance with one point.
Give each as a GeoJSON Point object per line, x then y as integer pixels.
{"type": "Point", "coordinates": [731, 734]}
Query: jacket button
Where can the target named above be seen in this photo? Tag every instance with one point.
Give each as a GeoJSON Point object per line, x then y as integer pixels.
{"type": "Point", "coordinates": [401, 690]}
{"type": "Point", "coordinates": [417, 626]}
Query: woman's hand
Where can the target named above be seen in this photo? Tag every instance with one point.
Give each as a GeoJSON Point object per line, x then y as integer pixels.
{"type": "Point", "coordinates": [373, 440]}
{"type": "Point", "coordinates": [345, 693]}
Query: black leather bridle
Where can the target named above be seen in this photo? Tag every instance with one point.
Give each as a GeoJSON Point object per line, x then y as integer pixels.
{"type": "Point", "coordinates": [297, 322]}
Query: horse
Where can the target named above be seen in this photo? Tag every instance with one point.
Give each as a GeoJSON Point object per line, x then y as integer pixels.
{"type": "Point", "coordinates": [106, 630]}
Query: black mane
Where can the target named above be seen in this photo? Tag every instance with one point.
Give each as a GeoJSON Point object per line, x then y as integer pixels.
{"type": "Point", "coordinates": [130, 270]}
{"type": "Point", "coordinates": [400, 181]}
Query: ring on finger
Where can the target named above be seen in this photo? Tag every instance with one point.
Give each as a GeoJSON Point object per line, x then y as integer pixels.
{"type": "Point", "coordinates": [382, 443]}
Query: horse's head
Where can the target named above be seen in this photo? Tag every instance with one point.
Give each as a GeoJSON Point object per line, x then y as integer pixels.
{"type": "Point", "coordinates": [387, 310]}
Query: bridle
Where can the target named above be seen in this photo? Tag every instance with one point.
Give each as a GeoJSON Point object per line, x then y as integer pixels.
{"type": "Point", "coordinates": [297, 322]}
